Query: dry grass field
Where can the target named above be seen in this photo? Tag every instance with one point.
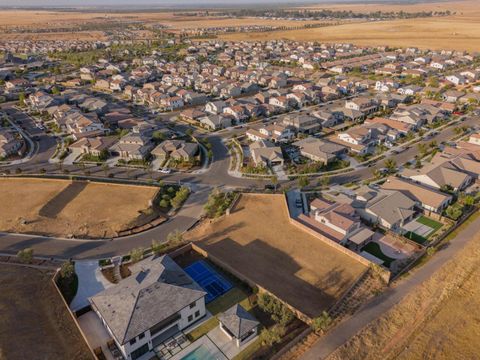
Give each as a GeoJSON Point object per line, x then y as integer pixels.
{"type": "Point", "coordinates": [438, 320]}
{"type": "Point", "coordinates": [459, 32]}
{"type": "Point", "coordinates": [258, 240]}
{"type": "Point", "coordinates": [62, 208]}
{"type": "Point", "coordinates": [59, 19]}
{"type": "Point", "coordinates": [35, 323]}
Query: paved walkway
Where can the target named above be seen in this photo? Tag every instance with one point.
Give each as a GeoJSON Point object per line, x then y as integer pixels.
{"type": "Point", "coordinates": [381, 304]}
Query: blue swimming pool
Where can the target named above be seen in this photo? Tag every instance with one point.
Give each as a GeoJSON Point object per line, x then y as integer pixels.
{"type": "Point", "coordinates": [213, 283]}
{"type": "Point", "coordinates": [200, 353]}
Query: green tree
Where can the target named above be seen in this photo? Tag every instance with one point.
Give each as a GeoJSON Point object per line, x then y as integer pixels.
{"type": "Point", "coordinates": [321, 323]}
{"type": "Point", "coordinates": [164, 203]}
{"type": "Point", "coordinates": [390, 165]}
{"type": "Point", "coordinates": [25, 256]}
{"type": "Point", "coordinates": [454, 212]}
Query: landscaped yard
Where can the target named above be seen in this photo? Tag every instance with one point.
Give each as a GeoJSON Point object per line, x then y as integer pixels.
{"type": "Point", "coordinates": [374, 249]}
{"type": "Point", "coordinates": [425, 234]}
{"type": "Point", "coordinates": [219, 305]}
{"type": "Point", "coordinates": [435, 225]}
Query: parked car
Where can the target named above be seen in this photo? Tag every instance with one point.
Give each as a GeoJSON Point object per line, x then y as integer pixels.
{"type": "Point", "coordinates": [165, 171]}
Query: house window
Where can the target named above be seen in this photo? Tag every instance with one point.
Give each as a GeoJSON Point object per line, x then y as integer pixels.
{"type": "Point", "coordinates": [190, 318]}
{"type": "Point", "coordinates": [133, 341]}
{"type": "Point", "coordinates": [141, 336]}
{"type": "Point", "coordinates": [192, 305]}
{"type": "Point", "coordinates": [197, 313]}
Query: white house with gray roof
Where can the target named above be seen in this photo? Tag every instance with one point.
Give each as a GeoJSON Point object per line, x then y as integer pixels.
{"type": "Point", "coordinates": [155, 302]}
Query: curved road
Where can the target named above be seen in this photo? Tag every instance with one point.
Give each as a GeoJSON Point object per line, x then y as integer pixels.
{"type": "Point", "coordinates": [201, 183]}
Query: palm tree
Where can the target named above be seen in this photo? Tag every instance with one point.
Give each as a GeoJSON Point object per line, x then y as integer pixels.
{"type": "Point", "coordinates": [390, 165]}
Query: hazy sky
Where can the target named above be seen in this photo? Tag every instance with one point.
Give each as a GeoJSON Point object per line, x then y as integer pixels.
{"type": "Point", "coordinates": [158, 3]}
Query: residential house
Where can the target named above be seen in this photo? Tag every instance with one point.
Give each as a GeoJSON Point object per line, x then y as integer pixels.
{"type": "Point", "coordinates": [266, 154]}
{"type": "Point", "coordinates": [319, 150]}
{"type": "Point", "coordinates": [95, 146]}
{"type": "Point", "coordinates": [9, 144]}
{"type": "Point", "coordinates": [387, 208]}
{"type": "Point", "coordinates": [156, 301]}
{"type": "Point", "coordinates": [429, 198]}
{"type": "Point", "coordinates": [133, 146]}
{"type": "Point", "coordinates": [216, 122]}
{"type": "Point", "coordinates": [337, 221]}
{"type": "Point", "coordinates": [175, 149]}
{"type": "Point", "coordinates": [445, 172]}
{"type": "Point", "coordinates": [274, 132]}
{"type": "Point", "coordinates": [302, 123]}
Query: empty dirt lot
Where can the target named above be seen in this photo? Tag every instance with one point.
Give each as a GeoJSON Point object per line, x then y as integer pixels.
{"type": "Point", "coordinates": [258, 241]}
{"type": "Point", "coordinates": [62, 208]}
{"type": "Point", "coordinates": [35, 323]}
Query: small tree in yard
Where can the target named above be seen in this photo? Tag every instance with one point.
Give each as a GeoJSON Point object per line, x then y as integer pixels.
{"type": "Point", "coordinates": [175, 237]}
{"type": "Point", "coordinates": [25, 256]}
{"type": "Point", "coordinates": [136, 254]}
{"type": "Point", "coordinates": [390, 165]}
{"type": "Point", "coordinates": [321, 323]}
{"type": "Point", "coordinates": [67, 270]}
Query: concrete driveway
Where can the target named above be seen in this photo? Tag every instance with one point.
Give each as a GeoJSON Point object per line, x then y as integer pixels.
{"type": "Point", "coordinates": [90, 282]}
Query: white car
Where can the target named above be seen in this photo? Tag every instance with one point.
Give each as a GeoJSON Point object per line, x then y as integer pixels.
{"type": "Point", "coordinates": [165, 171]}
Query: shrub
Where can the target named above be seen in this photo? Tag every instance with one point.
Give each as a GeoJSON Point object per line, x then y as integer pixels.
{"type": "Point", "coordinates": [175, 237]}
{"type": "Point", "coordinates": [180, 197]}
{"type": "Point", "coordinates": [25, 256]}
{"type": "Point", "coordinates": [218, 202]}
{"type": "Point", "coordinates": [164, 203]}
{"type": "Point", "coordinates": [277, 310]}
{"type": "Point", "coordinates": [271, 336]}
{"type": "Point", "coordinates": [136, 254]}
{"type": "Point", "coordinates": [321, 323]}
{"type": "Point", "coordinates": [67, 270]}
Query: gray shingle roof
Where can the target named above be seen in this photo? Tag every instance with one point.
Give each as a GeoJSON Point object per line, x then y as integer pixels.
{"type": "Point", "coordinates": [238, 320]}
{"type": "Point", "coordinates": [157, 289]}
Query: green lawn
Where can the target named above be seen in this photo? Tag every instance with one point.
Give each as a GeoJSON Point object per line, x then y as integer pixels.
{"type": "Point", "coordinates": [218, 306]}
{"type": "Point", "coordinates": [249, 351]}
{"type": "Point", "coordinates": [198, 332]}
{"type": "Point", "coordinates": [415, 237]}
{"type": "Point", "coordinates": [229, 299]}
{"type": "Point", "coordinates": [435, 225]}
{"type": "Point", "coordinates": [374, 249]}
